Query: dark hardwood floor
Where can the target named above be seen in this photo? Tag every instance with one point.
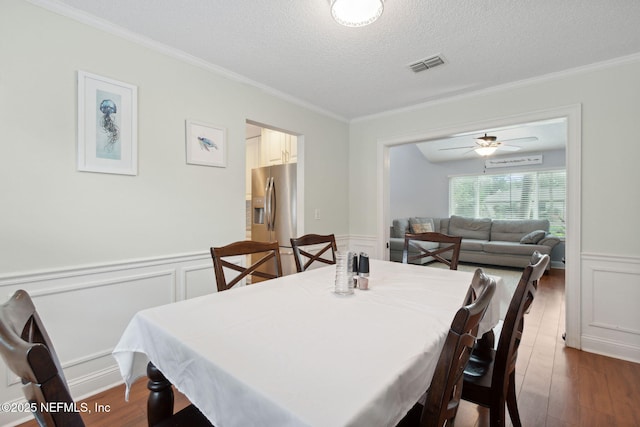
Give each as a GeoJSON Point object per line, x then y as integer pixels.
{"type": "Point", "coordinates": [557, 386]}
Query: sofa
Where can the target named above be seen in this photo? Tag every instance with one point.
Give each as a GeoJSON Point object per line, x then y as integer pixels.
{"type": "Point", "coordinates": [507, 243]}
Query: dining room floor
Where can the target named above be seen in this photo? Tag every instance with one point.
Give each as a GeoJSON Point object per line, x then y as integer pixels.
{"type": "Point", "coordinates": [557, 386]}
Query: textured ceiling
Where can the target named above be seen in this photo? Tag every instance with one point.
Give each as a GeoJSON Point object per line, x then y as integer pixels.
{"type": "Point", "coordinates": [293, 47]}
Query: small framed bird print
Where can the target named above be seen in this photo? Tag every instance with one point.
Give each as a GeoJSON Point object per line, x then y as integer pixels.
{"type": "Point", "coordinates": [206, 144]}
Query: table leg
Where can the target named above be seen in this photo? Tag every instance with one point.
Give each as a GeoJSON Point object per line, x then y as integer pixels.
{"type": "Point", "coordinates": [160, 402]}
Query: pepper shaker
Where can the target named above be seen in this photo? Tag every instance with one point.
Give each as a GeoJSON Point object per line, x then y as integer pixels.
{"type": "Point", "coordinates": [363, 265]}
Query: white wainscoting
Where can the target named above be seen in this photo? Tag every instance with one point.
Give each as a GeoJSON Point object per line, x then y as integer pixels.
{"type": "Point", "coordinates": [86, 309]}
{"type": "Point", "coordinates": [358, 243]}
{"type": "Point", "coordinates": [610, 296]}
{"type": "Point", "coordinates": [355, 244]}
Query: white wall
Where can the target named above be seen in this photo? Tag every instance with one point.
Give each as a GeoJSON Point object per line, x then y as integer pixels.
{"type": "Point", "coordinates": [609, 147]}
{"type": "Point", "coordinates": [55, 216]}
{"type": "Point", "coordinates": [105, 246]}
{"type": "Point", "coordinates": [610, 127]}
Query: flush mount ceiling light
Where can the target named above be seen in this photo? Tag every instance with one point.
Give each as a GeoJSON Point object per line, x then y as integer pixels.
{"type": "Point", "coordinates": [356, 13]}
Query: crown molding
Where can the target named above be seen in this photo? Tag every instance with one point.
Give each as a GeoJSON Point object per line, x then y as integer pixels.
{"type": "Point", "coordinates": [629, 59]}
{"type": "Point", "coordinates": [108, 27]}
{"type": "Point", "coordinates": [103, 25]}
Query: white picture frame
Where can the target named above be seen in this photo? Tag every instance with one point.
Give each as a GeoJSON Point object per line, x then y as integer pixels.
{"type": "Point", "coordinates": [206, 144]}
{"type": "Point", "coordinates": [107, 125]}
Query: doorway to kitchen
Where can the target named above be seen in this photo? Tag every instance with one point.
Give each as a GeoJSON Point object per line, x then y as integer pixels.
{"type": "Point", "coordinates": [273, 188]}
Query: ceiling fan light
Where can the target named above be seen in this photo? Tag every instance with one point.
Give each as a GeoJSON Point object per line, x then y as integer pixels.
{"type": "Point", "coordinates": [485, 151]}
{"type": "Point", "coordinates": [356, 13]}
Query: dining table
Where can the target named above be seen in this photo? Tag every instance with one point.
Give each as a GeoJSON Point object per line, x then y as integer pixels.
{"type": "Point", "coordinates": [291, 352]}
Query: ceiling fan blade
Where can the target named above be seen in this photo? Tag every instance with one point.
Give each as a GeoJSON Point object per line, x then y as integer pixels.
{"type": "Point", "coordinates": [508, 148]}
{"type": "Point", "coordinates": [524, 139]}
{"type": "Point", "coordinates": [457, 148]}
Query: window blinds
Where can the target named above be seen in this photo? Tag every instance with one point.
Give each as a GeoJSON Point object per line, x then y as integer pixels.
{"type": "Point", "coordinates": [518, 195]}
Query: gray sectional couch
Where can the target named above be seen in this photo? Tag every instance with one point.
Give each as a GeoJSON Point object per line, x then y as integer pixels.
{"type": "Point", "coordinates": [484, 241]}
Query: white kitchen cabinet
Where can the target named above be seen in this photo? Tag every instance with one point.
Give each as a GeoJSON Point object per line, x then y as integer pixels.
{"type": "Point", "coordinates": [278, 148]}
{"type": "Point", "coordinates": [292, 149]}
{"type": "Point", "coordinates": [252, 161]}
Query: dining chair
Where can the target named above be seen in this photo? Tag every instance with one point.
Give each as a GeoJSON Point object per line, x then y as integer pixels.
{"type": "Point", "coordinates": [265, 262]}
{"type": "Point", "coordinates": [28, 352]}
{"type": "Point", "coordinates": [443, 395]}
{"type": "Point", "coordinates": [446, 243]}
{"type": "Point", "coordinates": [490, 381]}
{"type": "Point", "coordinates": [304, 258]}
{"type": "Point", "coordinates": [478, 282]}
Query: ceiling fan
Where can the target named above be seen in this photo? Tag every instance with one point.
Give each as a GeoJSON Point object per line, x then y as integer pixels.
{"type": "Point", "coordinates": [488, 144]}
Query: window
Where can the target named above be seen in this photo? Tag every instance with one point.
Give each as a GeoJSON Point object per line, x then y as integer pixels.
{"type": "Point", "coordinates": [518, 195]}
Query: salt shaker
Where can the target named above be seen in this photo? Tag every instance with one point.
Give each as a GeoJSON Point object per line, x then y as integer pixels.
{"type": "Point", "coordinates": [354, 268]}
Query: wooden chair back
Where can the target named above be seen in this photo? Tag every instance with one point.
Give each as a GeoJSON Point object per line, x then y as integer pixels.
{"type": "Point", "coordinates": [513, 325]}
{"type": "Point", "coordinates": [478, 283]}
{"type": "Point", "coordinates": [446, 242]}
{"type": "Point", "coordinates": [28, 352]}
{"type": "Point", "coordinates": [265, 262]}
{"type": "Point", "coordinates": [501, 387]}
{"type": "Point", "coordinates": [304, 258]}
{"type": "Point", "coordinates": [443, 396]}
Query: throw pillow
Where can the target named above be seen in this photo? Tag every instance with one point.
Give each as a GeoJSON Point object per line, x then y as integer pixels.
{"type": "Point", "coordinates": [400, 227]}
{"type": "Point", "coordinates": [421, 225]}
{"type": "Point", "coordinates": [550, 241]}
{"type": "Point", "coordinates": [533, 237]}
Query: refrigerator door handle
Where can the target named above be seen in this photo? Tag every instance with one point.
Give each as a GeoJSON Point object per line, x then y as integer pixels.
{"type": "Point", "coordinates": [267, 203]}
{"type": "Point", "coordinates": [272, 204]}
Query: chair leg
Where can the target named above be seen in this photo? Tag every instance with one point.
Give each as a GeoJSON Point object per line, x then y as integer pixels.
{"type": "Point", "coordinates": [497, 413]}
{"type": "Point", "coordinates": [512, 403]}
{"type": "Point", "coordinates": [412, 418]}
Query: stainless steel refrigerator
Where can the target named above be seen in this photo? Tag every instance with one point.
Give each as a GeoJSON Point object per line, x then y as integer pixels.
{"type": "Point", "coordinates": [273, 209]}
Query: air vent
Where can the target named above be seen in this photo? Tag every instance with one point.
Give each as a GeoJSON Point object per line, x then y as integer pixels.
{"type": "Point", "coordinates": [425, 64]}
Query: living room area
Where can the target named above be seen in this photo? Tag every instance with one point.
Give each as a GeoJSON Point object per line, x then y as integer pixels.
{"type": "Point", "coordinates": [504, 204]}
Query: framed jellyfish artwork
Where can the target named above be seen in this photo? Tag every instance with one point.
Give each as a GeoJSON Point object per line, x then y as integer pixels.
{"type": "Point", "coordinates": [206, 144]}
{"type": "Point", "coordinates": [107, 125]}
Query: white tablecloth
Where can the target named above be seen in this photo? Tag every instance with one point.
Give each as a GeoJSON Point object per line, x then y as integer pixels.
{"type": "Point", "coordinates": [290, 352]}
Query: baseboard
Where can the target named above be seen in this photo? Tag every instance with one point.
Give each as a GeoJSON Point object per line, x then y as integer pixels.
{"type": "Point", "coordinates": [613, 349]}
